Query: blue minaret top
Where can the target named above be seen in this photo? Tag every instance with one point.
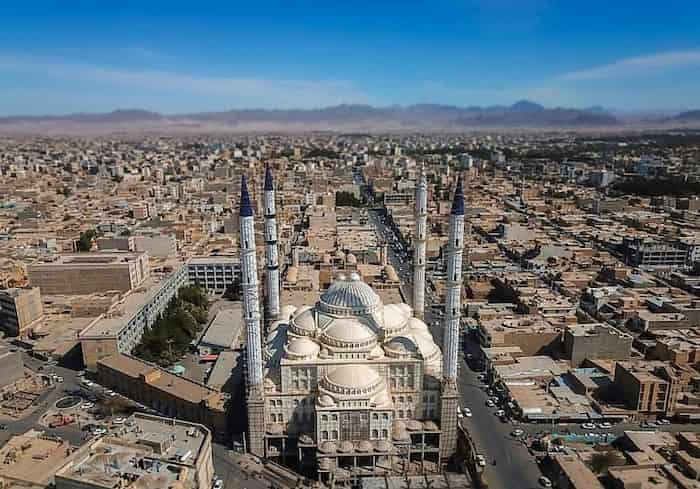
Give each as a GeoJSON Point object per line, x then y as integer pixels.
{"type": "Point", "coordinates": [458, 202]}
{"type": "Point", "coordinates": [268, 179]}
{"type": "Point", "coordinates": [246, 209]}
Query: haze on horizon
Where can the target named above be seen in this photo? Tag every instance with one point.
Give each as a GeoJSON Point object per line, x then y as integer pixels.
{"type": "Point", "coordinates": [178, 57]}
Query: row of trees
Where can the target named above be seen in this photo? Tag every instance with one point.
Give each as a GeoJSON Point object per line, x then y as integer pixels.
{"type": "Point", "coordinates": [170, 336]}
{"type": "Point", "coordinates": [659, 186]}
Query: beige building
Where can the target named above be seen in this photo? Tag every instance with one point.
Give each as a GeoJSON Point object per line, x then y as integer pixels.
{"type": "Point", "coordinates": [32, 459]}
{"type": "Point", "coordinates": [20, 309]}
{"type": "Point", "coordinates": [148, 451]}
{"type": "Point", "coordinates": [165, 392]}
{"type": "Point", "coordinates": [87, 273]}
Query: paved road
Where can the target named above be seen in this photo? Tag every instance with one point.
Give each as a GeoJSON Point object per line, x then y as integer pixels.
{"type": "Point", "coordinates": [515, 467]}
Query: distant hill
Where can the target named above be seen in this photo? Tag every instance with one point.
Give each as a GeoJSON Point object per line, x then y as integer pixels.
{"type": "Point", "coordinates": [522, 114]}
{"type": "Point", "coordinates": [690, 116]}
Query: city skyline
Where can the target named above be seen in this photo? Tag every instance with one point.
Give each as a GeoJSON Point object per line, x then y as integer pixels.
{"type": "Point", "coordinates": [174, 58]}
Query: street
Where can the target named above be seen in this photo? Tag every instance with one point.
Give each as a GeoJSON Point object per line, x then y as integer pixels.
{"type": "Point", "coordinates": [515, 467]}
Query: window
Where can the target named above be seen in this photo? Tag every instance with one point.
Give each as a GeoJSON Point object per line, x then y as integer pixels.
{"type": "Point", "coordinates": [385, 434]}
{"type": "Point", "coordinates": [335, 434]}
{"type": "Point", "coordinates": [324, 418]}
{"type": "Point", "coordinates": [375, 434]}
{"type": "Point", "coordinates": [334, 417]}
{"type": "Point", "coordinates": [375, 416]}
{"type": "Point", "coordinates": [324, 435]}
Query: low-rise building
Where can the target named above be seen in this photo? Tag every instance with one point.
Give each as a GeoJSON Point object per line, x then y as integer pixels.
{"type": "Point", "coordinates": [214, 273]}
{"type": "Point", "coordinates": [168, 393]}
{"type": "Point", "coordinates": [87, 273]}
{"type": "Point", "coordinates": [596, 341]}
{"type": "Point", "coordinates": [121, 328]}
{"type": "Point", "coordinates": [148, 451]}
{"type": "Point", "coordinates": [20, 309]}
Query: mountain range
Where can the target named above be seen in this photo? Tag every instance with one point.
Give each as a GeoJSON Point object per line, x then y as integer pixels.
{"type": "Point", "coordinates": [431, 117]}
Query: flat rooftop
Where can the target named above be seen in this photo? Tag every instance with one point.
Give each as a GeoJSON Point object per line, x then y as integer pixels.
{"type": "Point", "coordinates": [120, 313]}
{"type": "Point", "coordinates": [93, 258]}
{"type": "Point", "coordinates": [225, 329]}
{"type": "Point", "coordinates": [33, 458]}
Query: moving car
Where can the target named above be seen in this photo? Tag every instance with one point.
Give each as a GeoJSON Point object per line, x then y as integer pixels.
{"type": "Point", "coordinates": [467, 412]}
{"type": "Point", "coordinates": [218, 484]}
{"type": "Point", "coordinates": [490, 403]}
{"type": "Point", "coordinates": [500, 413]}
{"type": "Point", "coordinates": [517, 433]}
{"type": "Point", "coordinates": [481, 460]}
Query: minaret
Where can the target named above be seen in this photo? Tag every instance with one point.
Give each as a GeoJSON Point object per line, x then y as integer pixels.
{"type": "Point", "coordinates": [272, 279]}
{"type": "Point", "coordinates": [251, 318]}
{"type": "Point", "coordinates": [451, 325]}
{"type": "Point", "coordinates": [421, 216]}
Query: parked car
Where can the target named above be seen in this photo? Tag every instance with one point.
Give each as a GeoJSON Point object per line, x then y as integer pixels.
{"type": "Point", "coordinates": [605, 426]}
{"type": "Point", "coordinates": [544, 481]}
{"type": "Point", "coordinates": [118, 420]}
{"type": "Point", "coordinates": [500, 413]}
{"type": "Point", "coordinates": [588, 426]}
{"type": "Point", "coordinates": [218, 484]}
{"type": "Point", "coordinates": [467, 412]}
{"type": "Point", "coordinates": [517, 433]}
{"type": "Point", "coordinates": [481, 460]}
{"type": "Point", "coordinates": [490, 403]}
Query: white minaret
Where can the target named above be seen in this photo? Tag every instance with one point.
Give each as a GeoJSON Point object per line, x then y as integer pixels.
{"type": "Point", "coordinates": [453, 302]}
{"type": "Point", "coordinates": [272, 279]}
{"type": "Point", "coordinates": [249, 289]}
{"type": "Point", "coordinates": [421, 216]}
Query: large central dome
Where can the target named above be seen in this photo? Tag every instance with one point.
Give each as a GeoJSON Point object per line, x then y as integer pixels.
{"type": "Point", "coordinates": [349, 297]}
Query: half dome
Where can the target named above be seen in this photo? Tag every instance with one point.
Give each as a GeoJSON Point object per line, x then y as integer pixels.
{"type": "Point", "coordinates": [301, 349]}
{"type": "Point", "coordinates": [352, 380]}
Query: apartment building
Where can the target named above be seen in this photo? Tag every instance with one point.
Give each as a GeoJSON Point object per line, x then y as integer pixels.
{"type": "Point", "coordinates": [121, 328]}
{"type": "Point", "coordinates": [214, 273]}
{"type": "Point", "coordinates": [20, 309]}
{"type": "Point", "coordinates": [651, 388]}
{"type": "Point", "coordinates": [596, 341]}
{"type": "Point", "coordinates": [87, 273]}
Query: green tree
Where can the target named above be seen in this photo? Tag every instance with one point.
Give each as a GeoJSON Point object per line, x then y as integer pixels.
{"type": "Point", "coordinates": [85, 240]}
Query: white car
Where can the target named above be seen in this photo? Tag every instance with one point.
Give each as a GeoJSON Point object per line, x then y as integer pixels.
{"type": "Point", "coordinates": [588, 426]}
{"type": "Point", "coordinates": [118, 420]}
{"type": "Point", "coordinates": [500, 413]}
{"type": "Point", "coordinates": [490, 403]}
{"type": "Point", "coordinates": [87, 405]}
{"type": "Point", "coordinates": [218, 484]}
{"type": "Point", "coordinates": [467, 412]}
{"type": "Point", "coordinates": [481, 460]}
{"type": "Point", "coordinates": [605, 426]}
{"type": "Point", "coordinates": [517, 433]}
{"type": "Point", "coordinates": [544, 481]}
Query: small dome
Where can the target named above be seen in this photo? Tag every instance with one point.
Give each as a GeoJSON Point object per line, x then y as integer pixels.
{"type": "Point", "coordinates": [302, 349]}
{"type": "Point", "coordinates": [349, 297]}
{"type": "Point", "coordinates": [326, 401]}
{"type": "Point", "coordinates": [303, 322]}
{"type": "Point", "coordinates": [328, 447]}
{"type": "Point", "coordinates": [345, 447]}
{"type": "Point", "coordinates": [383, 446]}
{"type": "Point", "coordinates": [352, 379]}
{"type": "Point", "coordinates": [364, 446]}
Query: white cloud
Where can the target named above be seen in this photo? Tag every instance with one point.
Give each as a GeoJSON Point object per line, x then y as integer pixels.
{"type": "Point", "coordinates": [234, 91]}
{"type": "Point", "coordinates": [636, 65]}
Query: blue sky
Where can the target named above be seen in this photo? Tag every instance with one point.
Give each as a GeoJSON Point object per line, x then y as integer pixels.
{"type": "Point", "coordinates": [173, 57]}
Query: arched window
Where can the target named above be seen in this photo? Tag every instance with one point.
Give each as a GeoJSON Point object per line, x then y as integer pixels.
{"type": "Point", "coordinates": [335, 434]}
{"type": "Point", "coordinates": [324, 418]}
{"type": "Point", "coordinates": [334, 417]}
{"type": "Point", "coordinates": [385, 434]}
{"type": "Point", "coordinates": [324, 435]}
{"type": "Point", "coordinates": [375, 434]}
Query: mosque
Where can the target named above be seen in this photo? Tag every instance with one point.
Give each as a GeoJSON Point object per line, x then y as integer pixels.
{"type": "Point", "coordinates": [350, 386]}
